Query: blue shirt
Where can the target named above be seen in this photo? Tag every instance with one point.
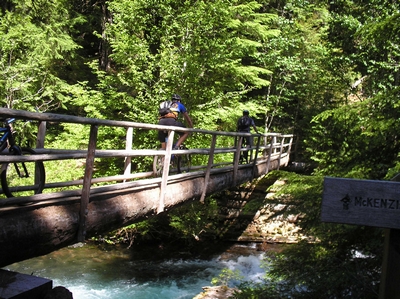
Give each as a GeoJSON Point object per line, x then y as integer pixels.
{"type": "Point", "coordinates": [179, 109]}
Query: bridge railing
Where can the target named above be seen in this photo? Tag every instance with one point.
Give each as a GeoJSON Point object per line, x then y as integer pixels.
{"type": "Point", "coordinates": [266, 147]}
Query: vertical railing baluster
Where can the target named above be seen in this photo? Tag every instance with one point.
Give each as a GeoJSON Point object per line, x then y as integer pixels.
{"type": "Point", "coordinates": [289, 149]}
{"type": "Point", "coordinates": [256, 155]}
{"type": "Point", "coordinates": [270, 154]}
{"type": "Point", "coordinates": [87, 180]}
{"type": "Point", "coordinates": [236, 159]}
{"type": "Point", "coordinates": [281, 151]}
{"type": "Point", "coordinates": [41, 134]}
{"type": "Point", "coordinates": [40, 144]}
{"type": "Point", "coordinates": [128, 147]}
{"type": "Point", "coordinates": [164, 178]}
{"type": "Point", "coordinates": [209, 165]}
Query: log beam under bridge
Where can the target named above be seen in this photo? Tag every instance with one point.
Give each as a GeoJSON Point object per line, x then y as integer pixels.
{"type": "Point", "coordinates": [34, 230]}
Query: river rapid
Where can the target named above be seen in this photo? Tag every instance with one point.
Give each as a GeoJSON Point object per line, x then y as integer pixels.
{"type": "Point", "coordinates": [93, 271]}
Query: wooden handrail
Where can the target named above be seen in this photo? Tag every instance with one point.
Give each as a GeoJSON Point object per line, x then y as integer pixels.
{"type": "Point", "coordinates": [61, 118]}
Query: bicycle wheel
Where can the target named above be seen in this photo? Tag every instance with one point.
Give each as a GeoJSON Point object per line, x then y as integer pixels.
{"type": "Point", "coordinates": [183, 162]}
{"type": "Point", "coordinates": [158, 165]}
{"type": "Point", "coordinates": [23, 179]}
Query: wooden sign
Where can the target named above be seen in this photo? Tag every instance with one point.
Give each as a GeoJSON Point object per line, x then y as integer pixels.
{"type": "Point", "coordinates": [361, 202]}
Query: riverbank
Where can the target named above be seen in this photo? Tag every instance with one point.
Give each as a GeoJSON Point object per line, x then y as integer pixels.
{"type": "Point", "coordinates": [255, 214]}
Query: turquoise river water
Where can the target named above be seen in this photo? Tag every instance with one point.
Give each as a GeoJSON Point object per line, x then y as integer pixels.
{"type": "Point", "coordinates": [94, 272]}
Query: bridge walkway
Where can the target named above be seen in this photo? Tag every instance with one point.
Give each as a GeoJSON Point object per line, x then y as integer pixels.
{"type": "Point", "coordinates": [90, 204]}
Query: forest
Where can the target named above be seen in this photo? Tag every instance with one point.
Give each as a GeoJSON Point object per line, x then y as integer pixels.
{"type": "Point", "coordinates": [326, 71]}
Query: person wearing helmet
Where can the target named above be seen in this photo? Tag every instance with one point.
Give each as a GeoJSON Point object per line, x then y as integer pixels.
{"type": "Point", "coordinates": [171, 119]}
{"type": "Point", "coordinates": [244, 124]}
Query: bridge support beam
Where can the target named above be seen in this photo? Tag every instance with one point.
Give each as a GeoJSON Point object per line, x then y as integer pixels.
{"type": "Point", "coordinates": [30, 231]}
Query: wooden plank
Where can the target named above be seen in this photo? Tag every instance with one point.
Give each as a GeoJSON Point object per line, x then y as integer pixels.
{"type": "Point", "coordinates": [87, 183]}
{"type": "Point", "coordinates": [52, 154]}
{"type": "Point", "coordinates": [362, 202]}
{"type": "Point", "coordinates": [390, 276]}
{"type": "Point", "coordinates": [164, 178]}
{"type": "Point", "coordinates": [270, 155]}
{"type": "Point", "coordinates": [128, 147]}
{"type": "Point", "coordinates": [281, 152]}
{"type": "Point", "coordinates": [209, 165]}
{"type": "Point", "coordinates": [256, 155]}
{"type": "Point", "coordinates": [390, 287]}
{"type": "Point", "coordinates": [41, 134]}
{"type": "Point", "coordinates": [236, 159]}
{"type": "Point", "coordinates": [53, 117]}
{"type": "Point", "coordinates": [289, 146]}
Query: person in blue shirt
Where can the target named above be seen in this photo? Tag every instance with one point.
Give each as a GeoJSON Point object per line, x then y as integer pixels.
{"type": "Point", "coordinates": [171, 119]}
{"type": "Point", "coordinates": [244, 124]}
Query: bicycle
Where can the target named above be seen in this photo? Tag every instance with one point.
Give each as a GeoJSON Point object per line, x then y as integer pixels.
{"type": "Point", "coordinates": [181, 162]}
{"type": "Point", "coordinates": [19, 178]}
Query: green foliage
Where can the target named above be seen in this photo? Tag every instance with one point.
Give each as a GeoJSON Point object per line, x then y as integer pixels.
{"type": "Point", "coordinates": [365, 37]}
{"type": "Point", "coordinates": [126, 234]}
{"type": "Point", "coordinates": [191, 220]}
{"type": "Point", "coordinates": [187, 224]}
{"type": "Point", "coordinates": [226, 276]}
{"type": "Point", "coordinates": [34, 39]}
{"type": "Point", "coordinates": [358, 140]}
{"type": "Point", "coordinates": [297, 57]}
{"type": "Point", "coordinates": [195, 49]}
{"type": "Point", "coordinates": [380, 44]}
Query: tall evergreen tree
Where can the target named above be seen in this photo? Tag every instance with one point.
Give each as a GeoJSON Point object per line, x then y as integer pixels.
{"type": "Point", "coordinates": [205, 51]}
{"type": "Point", "coordinates": [35, 42]}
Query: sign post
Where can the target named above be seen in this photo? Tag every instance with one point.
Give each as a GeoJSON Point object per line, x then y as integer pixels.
{"type": "Point", "coordinates": [369, 203]}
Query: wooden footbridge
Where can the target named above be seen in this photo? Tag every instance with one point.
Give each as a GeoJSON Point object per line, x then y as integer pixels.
{"type": "Point", "coordinates": [70, 211]}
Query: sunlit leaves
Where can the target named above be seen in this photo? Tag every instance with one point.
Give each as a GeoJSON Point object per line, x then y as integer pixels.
{"type": "Point", "coordinates": [31, 45]}
{"type": "Point", "coordinates": [195, 49]}
{"type": "Point", "coordinates": [358, 140]}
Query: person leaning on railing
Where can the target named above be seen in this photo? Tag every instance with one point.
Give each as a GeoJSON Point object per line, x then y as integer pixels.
{"type": "Point", "coordinates": [171, 119]}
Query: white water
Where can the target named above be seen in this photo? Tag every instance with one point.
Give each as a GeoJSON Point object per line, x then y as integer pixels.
{"type": "Point", "coordinates": [91, 273]}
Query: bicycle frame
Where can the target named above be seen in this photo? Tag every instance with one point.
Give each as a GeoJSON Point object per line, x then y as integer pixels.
{"type": "Point", "coordinates": [8, 137]}
{"type": "Point", "coordinates": [6, 134]}
{"type": "Point", "coordinates": [13, 148]}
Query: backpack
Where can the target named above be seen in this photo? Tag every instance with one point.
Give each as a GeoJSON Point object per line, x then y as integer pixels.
{"type": "Point", "coordinates": [167, 107]}
{"type": "Point", "coordinates": [244, 123]}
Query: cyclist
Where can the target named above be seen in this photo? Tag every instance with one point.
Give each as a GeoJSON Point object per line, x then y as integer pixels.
{"type": "Point", "coordinates": [244, 124]}
{"type": "Point", "coordinates": [171, 119]}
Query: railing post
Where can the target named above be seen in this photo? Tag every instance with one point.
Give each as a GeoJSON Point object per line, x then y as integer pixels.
{"type": "Point", "coordinates": [270, 153]}
{"type": "Point", "coordinates": [128, 146]}
{"type": "Point", "coordinates": [41, 134]}
{"type": "Point", "coordinates": [209, 165]}
{"type": "Point", "coordinates": [289, 149]}
{"type": "Point", "coordinates": [87, 183]}
{"type": "Point", "coordinates": [164, 178]}
{"type": "Point", "coordinates": [256, 154]}
{"type": "Point", "coordinates": [281, 151]}
{"type": "Point", "coordinates": [274, 141]}
{"type": "Point", "coordinates": [236, 159]}
{"type": "Point", "coordinates": [264, 152]}
{"type": "Point", "coordinates": [40, 143]}
{"type": "Point", "coordinates": [389, 287]}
